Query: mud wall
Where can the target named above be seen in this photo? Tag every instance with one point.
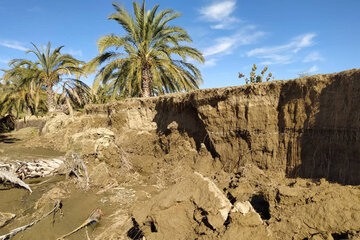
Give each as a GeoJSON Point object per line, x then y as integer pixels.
{"type": "Point", "coordinates": [305, 127]}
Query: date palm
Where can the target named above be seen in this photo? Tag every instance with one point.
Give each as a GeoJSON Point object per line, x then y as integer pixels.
{"type": "Point", "coordinates": [23, 89]}
{"type": "Point", "coordinates": [53, 65]}
{"type": "Point", "coordinates": [152, 59]}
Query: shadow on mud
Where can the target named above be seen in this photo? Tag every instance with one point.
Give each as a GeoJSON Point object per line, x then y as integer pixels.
{"type": "Point", "coordinates": [7, 123]}
{"type": "Point", "coordinates": [8, 139]}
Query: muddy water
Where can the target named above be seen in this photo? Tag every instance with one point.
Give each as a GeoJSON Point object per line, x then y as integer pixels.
{"type": "Point", "coordinates": [76, 209]}
{"type": "Point", "coordinates": [77, 206]}
{"type": "Point", "coordinates": [24, 153]}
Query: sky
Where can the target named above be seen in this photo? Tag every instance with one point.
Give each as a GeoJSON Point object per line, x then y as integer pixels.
{"type": "Point", "coordinates": [291, 37]}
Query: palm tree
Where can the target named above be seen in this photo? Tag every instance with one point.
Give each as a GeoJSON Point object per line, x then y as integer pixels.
{"type": "Point", "coordinates": [103, 94]}
{"type": "Point", "coordinates": [22, 90]}
{"type": "Point", "coordinates": [74, 93]}
{"type": "Point", "coordinates": [153, 61]}
{"type": "Point", "coordinates": [53, 65]}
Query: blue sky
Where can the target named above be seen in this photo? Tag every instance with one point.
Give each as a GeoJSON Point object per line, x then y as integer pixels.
{"type": "Point", "coordinates": [290, 36]}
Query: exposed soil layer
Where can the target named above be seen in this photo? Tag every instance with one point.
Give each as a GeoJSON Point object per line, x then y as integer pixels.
{"type": "Point", "coordinates": [276, 160]}
{"type": "Point", "coordinates": [307, 127]}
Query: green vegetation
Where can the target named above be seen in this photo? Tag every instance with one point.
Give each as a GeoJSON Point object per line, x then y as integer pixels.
{"type": "Point", "coordinates": [28, 85]}
{"type": "Point", "coordinates": [150, 59]}
{"type": "Point", "coordinates": [52, 65]}
{"type": "Point", "coordinates": [21, 91]}
{"type": "Point", "coordinates": [257, 78]}
{"type": "Point", "coordinates": [147, 65]}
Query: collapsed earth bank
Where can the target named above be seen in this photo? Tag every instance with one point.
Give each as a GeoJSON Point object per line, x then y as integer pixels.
{"type": "Point", "coordinates": [277, 160]}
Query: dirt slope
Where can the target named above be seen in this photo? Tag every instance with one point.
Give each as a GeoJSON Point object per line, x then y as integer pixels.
{"type": "Point", "coordinates": [306, 127]}
{"type": "Point", "coordinates": [276, 160]}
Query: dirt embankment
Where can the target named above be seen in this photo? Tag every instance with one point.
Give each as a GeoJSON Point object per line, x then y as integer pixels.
{"type": "Point", "coordinates": [263, 161]}
{"type": "Point", "coordinates": [306, 127]}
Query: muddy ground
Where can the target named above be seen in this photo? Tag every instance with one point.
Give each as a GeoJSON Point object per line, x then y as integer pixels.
{"type": "Point", "coordinates": [277, 160]}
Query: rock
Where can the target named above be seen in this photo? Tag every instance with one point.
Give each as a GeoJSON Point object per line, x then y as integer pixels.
{"type": "Point", "coordinates": [173, 126]}
{"type": "Point", "coordinates": [249, 216]}
{"type": "Point", "coordinates": [183, 200]}
{"type": "Point", "coordinates": [220, 206]}
{"type": "Point", "coordinates": [6, 218]}
{"type": "Point", "coordinates": [243, 208]}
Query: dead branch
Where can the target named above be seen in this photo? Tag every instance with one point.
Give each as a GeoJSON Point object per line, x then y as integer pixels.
{"type": "Point", "coordinates": [11, 177]}
{"type": "Point", "coordinates": [15, 231]}
{"type": "Point", "coordinates": [94, 218]}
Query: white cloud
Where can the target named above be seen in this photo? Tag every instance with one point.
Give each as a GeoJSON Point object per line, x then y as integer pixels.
{"type": "Point", "coordinates": [220, 13]}
{"type": "Point", "coordinates": [74, 52]}
{"type": "Point", "coordinates": [227, 45]}
{"type": "Point", "coordinates": [313, 69]}
{"type": "Point", "coordinates": [210, 62]}
{"type": "Point", "coordinates": [222, 46]}
{"type": "Point", "coordinates": [313, 57]}
{"type": "Point", "coordinates": [283, 54]}
{"type": "Point", "coordinates": [276, 59]}
{"type": "Point", "coordinates": [14, 45]}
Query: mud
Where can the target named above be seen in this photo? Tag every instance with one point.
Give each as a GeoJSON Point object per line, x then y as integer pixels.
{"type": "Point", "coordinates": [276, 160]}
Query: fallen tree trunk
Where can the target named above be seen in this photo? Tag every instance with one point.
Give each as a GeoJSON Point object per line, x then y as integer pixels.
{"type": "Point", "coordinates": [33, 169]}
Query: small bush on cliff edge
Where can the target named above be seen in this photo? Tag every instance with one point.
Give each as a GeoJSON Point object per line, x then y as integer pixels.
{"type": "Point", "coordinates": [257, 78]}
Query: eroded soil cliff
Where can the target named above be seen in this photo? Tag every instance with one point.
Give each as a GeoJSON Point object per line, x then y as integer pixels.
{"type": "Point", "coordinates": [276, 160]}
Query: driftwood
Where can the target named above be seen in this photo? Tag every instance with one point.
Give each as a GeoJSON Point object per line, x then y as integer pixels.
{"type": "Point", "coordinates": [94, 218]}
{"type": "Point", "coordinates": [34, 169]}
{"type": "Point", "coordinates": [15, 231]}
{"type": "Point", "coordinates": [11, 177]}
{"type": "Point", "coordinates": [15, 171]}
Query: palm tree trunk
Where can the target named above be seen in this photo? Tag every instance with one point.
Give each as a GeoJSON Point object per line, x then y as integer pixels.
{"type": "Point", "coordinates": [37, 99]}
{"type": "Point", "coordinates": [146, 79]}
{"type": "Point", "coordinates": [50, 102]}
{"type": "Point", "coordinates": [68, 104]}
